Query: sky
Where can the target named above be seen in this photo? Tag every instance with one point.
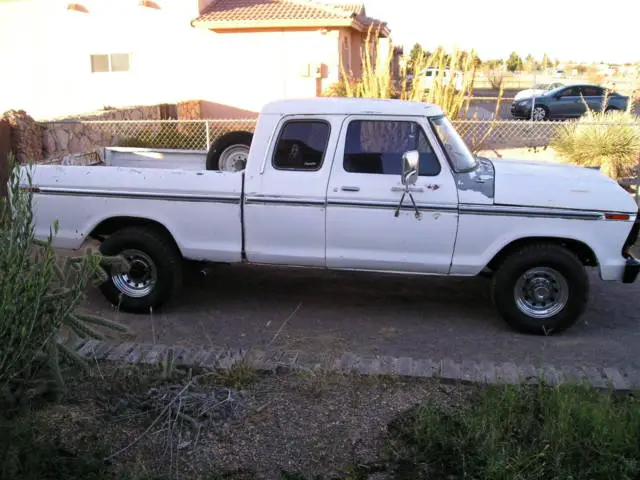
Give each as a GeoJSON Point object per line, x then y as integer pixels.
{"type": "Point", "coordinates": [495, 28]}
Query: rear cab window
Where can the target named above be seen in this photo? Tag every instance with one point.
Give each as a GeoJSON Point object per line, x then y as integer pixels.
{"type": "Point", "coordinates": [301, 145]}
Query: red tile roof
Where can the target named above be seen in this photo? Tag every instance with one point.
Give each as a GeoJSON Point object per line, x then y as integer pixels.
{"type": "Point", "coordinates": [220, 14]}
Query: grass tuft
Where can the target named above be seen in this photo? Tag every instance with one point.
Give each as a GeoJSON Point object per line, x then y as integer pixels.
{"type": "Point", "coordinates": [524, 432]}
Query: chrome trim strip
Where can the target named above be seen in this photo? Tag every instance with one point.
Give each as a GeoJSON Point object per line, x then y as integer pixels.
{"type": "Point", "coordinates": [181, 197]}
{"type": "Point", "coordinates": [537, 212]}
{"type": "Point", "coordinates": [393, 205]}
{"type": "Point", "coordinates": [285, 201]}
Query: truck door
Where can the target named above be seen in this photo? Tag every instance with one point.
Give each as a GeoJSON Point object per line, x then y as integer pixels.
{"type": "Point", "coordinates": [285, 198]}
{"type": "Point", "coordinates": [365, 189]}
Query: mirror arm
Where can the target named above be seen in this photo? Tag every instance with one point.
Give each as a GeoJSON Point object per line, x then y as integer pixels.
{"type": "Point", "coordinates": [413, 202]}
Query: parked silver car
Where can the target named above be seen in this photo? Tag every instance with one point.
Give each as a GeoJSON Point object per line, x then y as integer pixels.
{"type": "Point", "coordinates": [568, 102]}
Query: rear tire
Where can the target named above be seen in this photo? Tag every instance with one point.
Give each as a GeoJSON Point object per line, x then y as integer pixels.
{"type": "Point", "coordinates": [229, 153]}
{"type": "Point", "coordinates": [540, 289]}
{"type": "Point", "coordinates": [156, 269]}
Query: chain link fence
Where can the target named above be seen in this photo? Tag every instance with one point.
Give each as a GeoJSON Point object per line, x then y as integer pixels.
{"type": "Point", "coordinates": [85, 136]}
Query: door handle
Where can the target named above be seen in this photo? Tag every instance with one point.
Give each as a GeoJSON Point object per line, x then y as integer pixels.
{"type": "Point", "coordinates": [348, 188]}
{"type": "Point", "coordinates": [411, 189]}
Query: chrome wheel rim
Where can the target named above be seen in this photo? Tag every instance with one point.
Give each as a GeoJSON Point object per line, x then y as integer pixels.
{"type": "Point", "coordinates": [541, 292]}
{"type": "Point", "coordinates": [233, 158]}
{"type": "Point", "coordinates": [539, 113]}
{"type": "Point", "coordinates": [141, 278]}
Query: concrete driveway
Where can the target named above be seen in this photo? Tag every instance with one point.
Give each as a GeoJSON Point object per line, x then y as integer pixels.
{"type": "Point", "coordinates": [327, 313]}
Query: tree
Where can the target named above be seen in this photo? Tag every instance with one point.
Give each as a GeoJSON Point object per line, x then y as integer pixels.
{"type": "Point", "coordinates": [530, 64]}
{"type": "Point", "coordinates": [494, 63]}
{"type": "Point", "coordinates": [417, 52]}
{"type": "Point", "coordinates": [546, 61]}
{"type": "Point", "coordinates": [514, 62]}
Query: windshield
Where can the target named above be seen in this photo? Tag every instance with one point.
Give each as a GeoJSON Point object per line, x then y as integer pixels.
{"type": "Point", "coordinates": [460, 156]}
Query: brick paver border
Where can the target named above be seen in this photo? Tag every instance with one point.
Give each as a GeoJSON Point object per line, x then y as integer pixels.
{"type": "Point", "coordinates": [619, 380]}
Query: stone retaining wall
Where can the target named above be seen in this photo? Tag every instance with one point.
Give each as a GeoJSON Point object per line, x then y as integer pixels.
{"type": "Point", "coordinates": [25, 136]}
{"type": "Point", "coordinates": [69, 135]}
{"type": "Point", "coordinates": [189, 110]}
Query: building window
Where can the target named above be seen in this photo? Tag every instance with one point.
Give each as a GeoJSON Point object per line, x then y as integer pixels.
{"type": "Point", "coordinates": [377, 146]}
{"type": "Point", "coordinates": [302, 145]}
{"type": "Point", "coordinates": [114, 62]}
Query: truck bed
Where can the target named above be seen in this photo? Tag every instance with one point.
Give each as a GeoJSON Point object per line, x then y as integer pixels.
{"type": "Point", "coordinates": [201, 209]}
{"type": "Point", "coordinates": [155, 158]}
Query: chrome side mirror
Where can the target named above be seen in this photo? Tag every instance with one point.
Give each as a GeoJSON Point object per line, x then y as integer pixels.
{"type": "Point", "coordinates": [410, 162]}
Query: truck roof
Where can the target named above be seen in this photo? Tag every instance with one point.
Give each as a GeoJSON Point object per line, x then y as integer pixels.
{"type": "Point", "coordinates": [350, 106]}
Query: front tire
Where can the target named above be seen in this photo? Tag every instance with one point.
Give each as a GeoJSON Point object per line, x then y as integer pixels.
{"type": "Point", "coordinates": [155, 274]}
{"type": "Point", "coordinates": [540, 113]}
{"type": "Point", "coordinates": [540, 289]}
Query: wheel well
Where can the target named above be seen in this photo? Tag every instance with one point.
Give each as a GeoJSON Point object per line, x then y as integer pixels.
{"type": "Point", "coordinates": [114, 224]}
{"type": "Point", "coordinates": [580, 249]}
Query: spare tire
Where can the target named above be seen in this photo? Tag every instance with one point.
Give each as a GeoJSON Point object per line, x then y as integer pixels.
{"type": "Point", "coordinates": [229, 153]}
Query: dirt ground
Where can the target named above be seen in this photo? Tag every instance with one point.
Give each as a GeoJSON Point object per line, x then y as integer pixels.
{"type": "Point", "coordinates": [310, 424]}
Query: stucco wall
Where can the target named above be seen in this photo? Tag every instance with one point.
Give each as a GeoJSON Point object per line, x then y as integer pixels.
{"type": "Point", "coordinates": [51, 74]}
{"type": "Point", "coordinates": [253, 68]}
{"type": "Point", "coordinates": [170, 61]}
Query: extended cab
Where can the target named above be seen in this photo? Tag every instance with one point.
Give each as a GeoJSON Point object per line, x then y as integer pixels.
{"type": "Point", "coordinates": [355, 184]}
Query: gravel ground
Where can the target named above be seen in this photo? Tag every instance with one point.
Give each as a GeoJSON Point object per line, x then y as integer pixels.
{"type": "Point", "coordinates": [316, 424]}
{"type": "Point", "coordinates": [324, 313]}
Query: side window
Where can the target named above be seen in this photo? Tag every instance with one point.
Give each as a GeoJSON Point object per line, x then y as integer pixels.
{"type": "Point", "coordinates": [592, 92]}
{"type": "Point", "coordinates": [377, 146]}
{"type": "Point", "coordinates": [570, 92]}
{"type": "Point", "coordinates": [301, 145]}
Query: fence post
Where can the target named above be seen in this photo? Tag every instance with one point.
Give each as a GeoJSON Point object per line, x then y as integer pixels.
{"type": "Point", "coordinates": [207, 134]}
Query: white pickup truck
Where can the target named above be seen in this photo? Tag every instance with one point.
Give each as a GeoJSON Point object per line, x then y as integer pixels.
{"type": "Point", "coordinates": [362, 185]}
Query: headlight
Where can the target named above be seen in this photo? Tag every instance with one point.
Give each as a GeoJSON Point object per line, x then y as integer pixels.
{"type": "Point", "coordinates": [524, 103]}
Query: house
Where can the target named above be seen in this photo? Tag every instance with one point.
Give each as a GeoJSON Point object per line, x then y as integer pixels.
{"type": "Point", "coordinates": [235, 55]}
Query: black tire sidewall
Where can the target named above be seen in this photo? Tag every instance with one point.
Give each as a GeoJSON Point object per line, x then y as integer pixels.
{"type": "Point", "coordinates": [224, 142]}
{"type": "Point", "coordinates": [560, 260]}
{"type": "Point", "coordinates": [167, 265]}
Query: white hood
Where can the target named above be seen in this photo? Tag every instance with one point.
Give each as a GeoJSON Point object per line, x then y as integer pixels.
{"type": "Point", "coordinates": [541, 184]}
{"type": "Point", "coordinates": [529, 93]}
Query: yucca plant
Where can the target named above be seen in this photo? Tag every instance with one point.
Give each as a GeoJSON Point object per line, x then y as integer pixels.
{"type": "Point", "coordinates": [40, 296]}
{"type": "Point", "coordinates": [377, 80]}
{"type": "Point", "coordinates": [608, 140]}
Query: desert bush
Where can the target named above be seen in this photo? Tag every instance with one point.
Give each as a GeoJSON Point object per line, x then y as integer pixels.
{"type": "Point", "coordinates": [517, 432]}
{"type": "Point", "coordinates": [608, 140]}
{"type": "Point", "coordinates": [40, 296]}
{"type": "Point", "coordinates": [496, 78]}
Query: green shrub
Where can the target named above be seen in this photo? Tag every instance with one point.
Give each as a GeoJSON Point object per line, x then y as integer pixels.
{"type": "Point", "coordinates": [609, 140]}
{"type": "Point", "coordinates": [523, 432]}
{"type": "Point", "coordinates": [40, 296]}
